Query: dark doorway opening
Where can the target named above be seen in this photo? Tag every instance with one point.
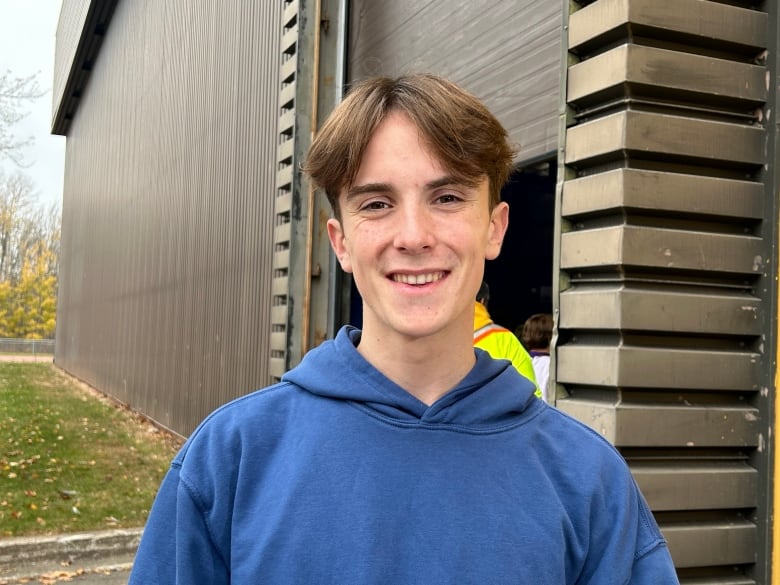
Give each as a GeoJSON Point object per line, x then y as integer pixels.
{"type": "Point", "coordinates": [520, 279]}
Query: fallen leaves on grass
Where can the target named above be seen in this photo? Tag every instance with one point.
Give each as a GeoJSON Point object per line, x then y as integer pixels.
{"type": "Point", "coordinates": [71, 459]}
{"type": "Point", "coordinates": [57, 576]}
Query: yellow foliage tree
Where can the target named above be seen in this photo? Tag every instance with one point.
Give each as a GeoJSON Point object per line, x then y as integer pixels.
{"type": "Point", "coordinates": [34, 298]}
{"type": "Point", "coordinates": [29, 250]}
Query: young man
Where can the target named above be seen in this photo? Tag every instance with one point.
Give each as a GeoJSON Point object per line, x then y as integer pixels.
{"type": "Point", "coordinates": [399, 454]}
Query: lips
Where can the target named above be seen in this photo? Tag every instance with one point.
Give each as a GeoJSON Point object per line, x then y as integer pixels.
{"type": "Point", "coordinates": [417, 279]}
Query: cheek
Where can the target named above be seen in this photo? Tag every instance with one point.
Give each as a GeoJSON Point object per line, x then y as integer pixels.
{"type": "Point", "coordinates": [474, 239]}
{"type": "Point", "coordinates": [357, 248]}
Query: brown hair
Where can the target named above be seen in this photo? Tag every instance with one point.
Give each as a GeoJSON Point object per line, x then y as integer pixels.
{"type": "Point", "coordinates": [537, 331]}
{"type": "Point", "coordinates": [468, 140]}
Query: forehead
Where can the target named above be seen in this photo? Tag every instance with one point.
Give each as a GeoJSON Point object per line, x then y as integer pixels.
{"type": "Point", "coordinates": [398, 156]}
{"type": "Point", "coordinates": [397, 148]}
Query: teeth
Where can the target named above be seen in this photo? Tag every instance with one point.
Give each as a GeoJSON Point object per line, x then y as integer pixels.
{"type": "Point", "coordinates": [417, 278]}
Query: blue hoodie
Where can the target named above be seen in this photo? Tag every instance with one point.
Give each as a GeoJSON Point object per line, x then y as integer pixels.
{"type": "Point", "coordinates": [336, 475]}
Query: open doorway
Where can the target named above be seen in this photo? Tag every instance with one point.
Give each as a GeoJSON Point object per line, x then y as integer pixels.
{"type": "Point", "coordinates": [520, 278]}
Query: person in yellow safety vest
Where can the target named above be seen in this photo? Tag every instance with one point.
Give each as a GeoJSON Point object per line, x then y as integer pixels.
{"type": "Point", "coordinates": [499, 341]}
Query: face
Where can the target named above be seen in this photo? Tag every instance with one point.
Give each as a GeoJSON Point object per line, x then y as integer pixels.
{"type": "Point", "coordinates": [413, 238]}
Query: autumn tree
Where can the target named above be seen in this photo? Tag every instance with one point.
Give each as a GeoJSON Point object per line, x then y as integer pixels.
{"type": "Point", "coordinates": [16, 203]}
{"type": "Point", "coordinates": [29, 256]}
{"type": "Point", "coordinates": [29, 234]}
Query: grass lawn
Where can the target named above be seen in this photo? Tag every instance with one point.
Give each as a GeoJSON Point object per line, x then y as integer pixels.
{"type": "Point", "coordinates": [71, 460]}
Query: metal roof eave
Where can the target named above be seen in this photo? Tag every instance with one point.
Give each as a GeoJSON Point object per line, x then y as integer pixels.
{"type": "Point", "coordinates": [92, 34]}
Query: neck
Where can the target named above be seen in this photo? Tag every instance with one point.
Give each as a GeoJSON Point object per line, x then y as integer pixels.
{"type": "Point", "coordinates": [426, 367]}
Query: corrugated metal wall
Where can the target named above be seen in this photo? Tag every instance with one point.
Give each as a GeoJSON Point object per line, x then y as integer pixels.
{"type": "Point", "coordinates": [507, 53]}
{"type": "Point", "coordinates": [667, 309]}
{"type": "Point", "coordinates": [165, 280]}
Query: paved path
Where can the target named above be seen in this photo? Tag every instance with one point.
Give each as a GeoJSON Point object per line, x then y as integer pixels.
{"type": "Point", "coordinates": [88, 558]}
{"type": "Point", "coordinates": [106, 575]}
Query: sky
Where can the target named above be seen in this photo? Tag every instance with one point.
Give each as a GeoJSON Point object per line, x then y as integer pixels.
{"type": "Point", "coordinates": [27, 37]}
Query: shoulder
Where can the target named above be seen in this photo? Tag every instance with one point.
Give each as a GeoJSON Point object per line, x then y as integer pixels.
{"type": "Point", "coordinates": [571, 427]}
{"type": "Point", "coordinates": [247, 407]}
{"type": "Point", "coordinates": [600, 492]}
{"type": "Point", "coordinates": [584, 454]}
{"type": "Point", "coordinates": [243, 420]}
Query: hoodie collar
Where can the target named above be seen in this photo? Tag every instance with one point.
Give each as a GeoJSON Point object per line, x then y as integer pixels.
{"type": "Point", "coordinates": [491, 396]}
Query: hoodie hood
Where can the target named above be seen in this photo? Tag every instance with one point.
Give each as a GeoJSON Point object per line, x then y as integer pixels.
{"type": "Point", "coordinates": [491, 397]}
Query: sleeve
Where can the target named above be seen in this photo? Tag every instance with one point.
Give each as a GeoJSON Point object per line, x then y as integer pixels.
{"type": "Point", "coordinates": [654, 568]}
{"type": "Point", "coordinates": [625, 546]}
{"type": "Point", "coordinates": [176, 545]}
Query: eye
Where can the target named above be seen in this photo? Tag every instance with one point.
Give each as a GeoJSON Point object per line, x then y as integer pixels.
{"type": "Point", "coordinates": [448, 198]}
{"type": "Point", "coordinates": [374, 206]}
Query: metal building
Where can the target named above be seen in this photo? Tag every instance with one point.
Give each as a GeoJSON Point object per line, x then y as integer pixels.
{"type": "Point", "coordinates": [195, 267]}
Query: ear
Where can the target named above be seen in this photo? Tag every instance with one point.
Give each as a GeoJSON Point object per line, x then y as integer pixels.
{"type": "Point", "coordinates": [499, 222]}
{"type": "Point", "coordinates": [338, 243]}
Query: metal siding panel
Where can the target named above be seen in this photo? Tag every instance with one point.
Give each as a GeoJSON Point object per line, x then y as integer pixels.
{"type": "Point", "coordinates": [639, 425]}
{"type": "Point", "coordinates": [654, 367]}
{"type": "Point", "coordinates": [688, 426]}
{"type": "Point", "coordinates": [286, 150]}
{"type": "Point", "coordinates": [690, 18]}
{"type": "Point", "coordinates": [282, 232]}
{"type": "Point", "coordinates": [702, 486]}
{"type": "Point", "coordinates": [281, 259]}
{"type": "Point", "coordinates": [671, 72]}
{"type": "Point", "coordinates": [662, 192]}
{"type": "Point", "coordinates": [279, 314]}
{"type": "Point", "coordinates": [167, 217]}
{"type": "Point", "coordinates": [507, 53]}
{"type": "Point", "coordinates": [673, 137]}
{"type": "Point", "coordinates": [288, 94]}
{"type": "Point", "coordinates": [661, 248]}
{"type": "Point", "coordinates": [290, 10]}
{"type": "Point", "coordinates": [712, 543]}
{"type": "Point", "coordinates": [284, 177]}
{"type": "Point", "coordinates": [279, 286]}
{"type": "Point", "coordinates": [647, 309]}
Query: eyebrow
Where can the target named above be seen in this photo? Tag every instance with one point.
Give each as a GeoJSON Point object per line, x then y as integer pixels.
{"type": "Point", "coordinates": [369, 188]}
{"type": "Point", "coordinates": [387, 188]}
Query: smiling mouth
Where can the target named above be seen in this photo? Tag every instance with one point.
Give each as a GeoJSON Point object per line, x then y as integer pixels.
{"type": "Point", "coordinates": [418, 279]}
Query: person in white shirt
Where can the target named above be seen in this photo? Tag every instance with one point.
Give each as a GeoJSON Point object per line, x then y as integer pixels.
{"type": "Point", "coordinates": [535, 336]}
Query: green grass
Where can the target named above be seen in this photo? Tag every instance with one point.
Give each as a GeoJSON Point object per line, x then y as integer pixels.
{"type": "Point", "coordinates": [70, 460]}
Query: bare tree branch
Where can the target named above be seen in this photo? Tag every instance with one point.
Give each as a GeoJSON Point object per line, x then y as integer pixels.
{"type": "Point", "coordinates": [15, 93]}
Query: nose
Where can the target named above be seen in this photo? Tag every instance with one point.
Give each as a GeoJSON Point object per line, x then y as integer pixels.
{"type": "Point", "coordinates": [415, 229]}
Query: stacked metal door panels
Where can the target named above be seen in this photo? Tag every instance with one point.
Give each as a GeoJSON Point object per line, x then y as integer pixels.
{"type": "Point", "coordinates": [665, 247]}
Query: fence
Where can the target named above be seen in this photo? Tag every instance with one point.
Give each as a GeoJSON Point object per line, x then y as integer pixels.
{"type": "Point", "coordinates": [27, 346]}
